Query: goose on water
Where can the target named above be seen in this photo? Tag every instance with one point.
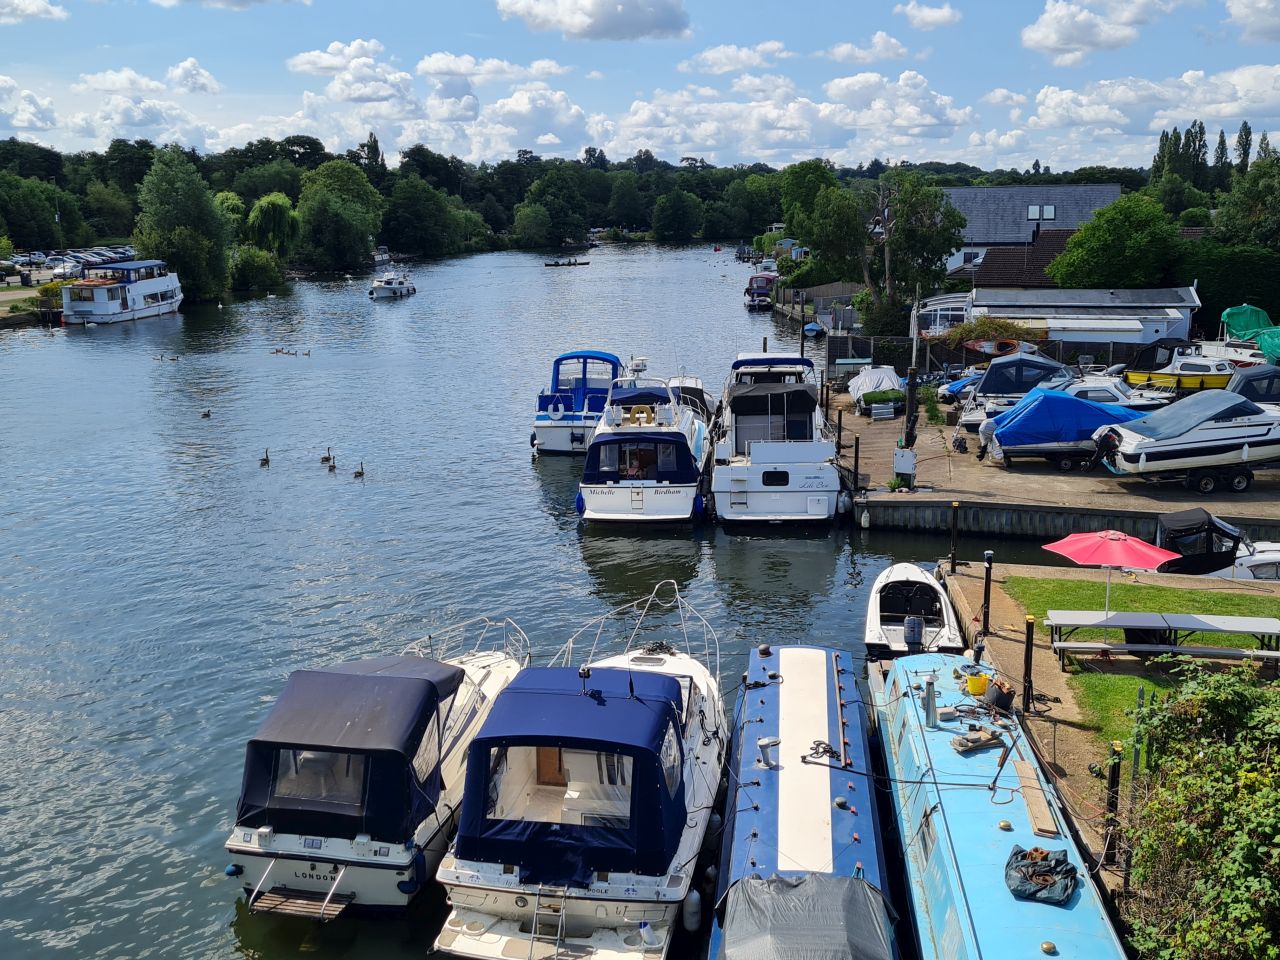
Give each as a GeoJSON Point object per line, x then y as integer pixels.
{"type": "Point", "coordinates": [328, 455]}
{"type": "Point", "coordinates": [359, 474]}
{"type": "Point", "coordinates": [265, 460]}
{"type": "Point", "coordinates": [333, 465]}
{"type": "Point", "coordinates": [206, 415]}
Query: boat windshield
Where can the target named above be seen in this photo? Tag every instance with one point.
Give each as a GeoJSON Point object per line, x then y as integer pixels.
{"type": "Point", "coordinates": [551, 785]}
{"type": "Point", "coordinates": [320, 776]}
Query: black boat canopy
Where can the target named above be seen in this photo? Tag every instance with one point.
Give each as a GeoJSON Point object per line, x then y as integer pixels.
{"type": "Point", "coordinates": [1018, 373]}
{"type": "Point", "coordinates": [773, 398]}
{"type": "Point", "coordinates": [1259, 383]}
{"type": "Point", "coordinates": [349, 749]}
{"type": "Point", "coordinates": [1205, 542]}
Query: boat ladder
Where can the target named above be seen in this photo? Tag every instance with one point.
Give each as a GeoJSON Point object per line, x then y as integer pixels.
{"type": "Point", "coordinates": [548, 911]}
{"type": "Point", "coordinates": [300, 903]}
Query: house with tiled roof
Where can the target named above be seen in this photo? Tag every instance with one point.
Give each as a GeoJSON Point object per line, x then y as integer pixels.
{"type": "Point", "coordinates": [1022, 266]}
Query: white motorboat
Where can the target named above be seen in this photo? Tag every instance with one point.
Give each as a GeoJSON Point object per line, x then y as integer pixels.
{"type": "Point", "coordinates": [392, 286]}
{"type": "Point", "coordinates": [132, 290]}
{"type": "Point", "coordinates": [648, 453]}
{"type": "Point", "coordinates": [588, 796]}
{"type": "Point", "coordinates": [1177, 365]}
{"type": "Point", "coordinates": [775, 460]}
{"type": "Point", "coordinates": [758, 294]}
{"type": "Point", "coordinates": [1007, 380]}
{"type": "Point", "coordinates": [381, 258]}
{"type": "Point", "coordinates": [567, 412]}
{"type": "Point", "coordinates": [910, 612]}
{"type": "Point", "coordinates": [1211, 437]}
{"type": "Point", "coordinates": [352, 783]}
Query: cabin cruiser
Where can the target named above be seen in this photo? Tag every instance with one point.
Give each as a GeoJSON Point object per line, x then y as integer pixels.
{"type": "Point", "coordinates": [1209, 437]}
{"type": "Point", "coordinates": [1050, 424]}
{"type": "Point", "coordinates": [775, 460]}
{"type": "Point", "coordinates": [392, 286]}
{"type": "Point", "coordinates": [381, 258]}
{"type": "Point", "coordinates": [352, 783]}
{"type": "Point", "coordinates": [909, 611]}
{"type": "Point", "coordinates": [1007, 380]}
{"type": "Point", "coordinates": [648, 454]}
{"type": "Point", "coordinates": [567, 412]}
{"type": "Point", "coordinates": [1212, 547]}
{"type": "Point", "coordinates": [802, 859]}
{"type": "Point", "coordinates": [132, 290]}
{"type": "Point", "coordinates": [589, 793]}
{"type": "Point", "coordinates": [1259, 383]}
{"type": "Point", "coordinates": [993, 868]}
{"type": "Point", "coordinates": [1177, 365]}
{"type": "Point", "coordinates": [758, 294]}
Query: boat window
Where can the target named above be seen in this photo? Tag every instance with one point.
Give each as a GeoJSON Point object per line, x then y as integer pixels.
{"type": "Point", "coordinates": [599, 374]}
{"type": "Point", "coordinates": [666, 456]}
{"type": "Point", "coordinates": [609, 458]}
{"type": "Point", "coordinates": [639, 461]}
{"type": "Point", "coordinates": [327, 776]}
{"type": "Point", "coordinates": [775, 478]}
{"type": "Point", "coordinates": [671, 760]}
{"type": "Point", "coordinates": [1102, 396]}
{"type": "Point", "coordinates": [427, 758]}
{"type": "Point", "coordinates": [1196, 368]}
{"type": "Point", "coordinates": [1125, 390]}
{"type": "Point", "coordinates": [1265, 571]}
{"type": "Point", "coordinates": [554, 785]}
{"type": "Point", "coordinates": [82, 294]}
{"type": "Point", "coordinates": [113, 293]}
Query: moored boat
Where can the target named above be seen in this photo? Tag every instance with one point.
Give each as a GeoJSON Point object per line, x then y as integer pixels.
{"type": "Point", "coordinates": [802, 860]}
{"type": "Point", "coordinates": [909, 611]}
{"type": "Point", "coordinates": [1177, 365]}
{"type": "Point", "coordinates": [758, 294]}
{"type": "Point", "coordinates": [132, 290]}
{"type": "Point", "coordinates": [589, 791]}
{"type": "Point", "coordinates": [392, 286]}
{"type": "Point", "coordinates": [993, 868]}
{"type": "Point", "coordinates": [567, 412]}
{"type": "Point", "coordinates": [352, 783]}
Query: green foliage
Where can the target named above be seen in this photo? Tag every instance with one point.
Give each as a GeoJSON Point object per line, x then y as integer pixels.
{"type": "Point", "coordinates": [840, 230]}
{"type": "Point", "coordinates": [882, 396]}
{"type": "Point", "coordinates": [278, 176]}
{"type": "Point", "coordinates": [677, 216]}
{"type": "Point", "coordinates": [533, 225]}
{"type": "Point", "coordinates": [627, 208]}
{"type": "Point", "coordinates": [340, 212]}
{"type": "Point", "coordinates": [1251, 212]}
{"type": "Point", "coordinates": [1126, 244]}
{"type": "Point", "coordinates": [53, 289]}
{"type": "Point", "coordinates": [929, 397]}
{"type": "Point", "coordinates": [798, 187]}
{"type": "Point", "coordinates": [984, 328]}
{"type": "Point", "coordinates": [812, 273]}
{"type": "Point", "coordinates": [1226, 276]}
{"type": "Point", "coordinates": [274, 225]}
{"type": "Point", "coordinates": [179, 223]}
{"type": "Point", "coordinates": [39, 215]}
{"type": "Point", "coordinates": [722, 221]}
{"type": "Point", "coordinates": [1176, 195]}
{"type": "Point", "coordinates": [418, 220]}
{"type": "Point", "coordinates": [6, 248]}
{"type": "Point", "coordinates": [341, 178]}
{"type": "Point", "coordinates": [1195, 217]}
{"type": "Point", "coordinates": [557, 192]}
{"type": "Point", "coordinates": [1206, 836]}
{"type": "Point", "coordinates": [109, 211]}
{"type": "Point", "coordinates": [923, 230]}
{"type": "Point", "coordinates": [254, 270]}
{"type": "Point", "coordinates": [232, 209]}
{"type": "Point", "coordinates": [765, 242]}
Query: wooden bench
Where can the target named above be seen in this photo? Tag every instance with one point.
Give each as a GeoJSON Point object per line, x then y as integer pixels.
{"type": "Point", "coordinates": [1064, 647]}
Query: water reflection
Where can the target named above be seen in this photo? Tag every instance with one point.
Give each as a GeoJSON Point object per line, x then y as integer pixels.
{"type": "Point", "coordinates": [624, 563]}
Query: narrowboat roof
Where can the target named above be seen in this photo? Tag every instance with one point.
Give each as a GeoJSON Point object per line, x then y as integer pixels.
{"type": "Point", "coordinates": [126, 265]}
{"type": "Point", "coordinates": [590, 355]}
{"type": "Point", "coordinates": [770, 360]}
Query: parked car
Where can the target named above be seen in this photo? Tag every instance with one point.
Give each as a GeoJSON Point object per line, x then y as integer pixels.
{"type": "Point", "coordinates": [67, 271]}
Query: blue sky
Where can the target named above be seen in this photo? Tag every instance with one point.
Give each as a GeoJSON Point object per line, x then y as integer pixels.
{"type": "Point", "coordinates": [990, 82]}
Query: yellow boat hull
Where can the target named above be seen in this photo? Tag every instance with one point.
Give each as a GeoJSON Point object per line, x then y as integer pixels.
{"type": "Point", "coordinates": [1177, 381]}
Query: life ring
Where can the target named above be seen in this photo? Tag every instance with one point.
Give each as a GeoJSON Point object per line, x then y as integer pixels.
{"type": "Point", "coordinates": [638, 411]}
{"type": "Point", "coordinates": [556, 410]}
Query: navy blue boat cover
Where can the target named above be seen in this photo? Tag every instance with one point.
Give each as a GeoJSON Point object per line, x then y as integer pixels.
{"type": "Point", "coordinates": [622, 711]}
{"type": "Point", "coordinates": [681, 468]}
{"type": "Point", "coordinates": [1016, 374]}
{"type": "Point", "coordinates": [817, 916]}
{"type": "Point", "coordinates": [1183, 416]}
{"type": "Point", "coordinates": [631, 396]}
{"type": "Point", "coordinates": [1051, 416]}
{"type": "Point", "coordinates": [772, 360]}
{"type": "Point", "coordinates": [378, 708]}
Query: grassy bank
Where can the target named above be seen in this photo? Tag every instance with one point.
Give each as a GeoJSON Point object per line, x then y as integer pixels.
{"type": "Point", "coordinates": [1105, 698]}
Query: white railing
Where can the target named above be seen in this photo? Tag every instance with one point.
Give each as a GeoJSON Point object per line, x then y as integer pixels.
{"type": "Point", "coordinates": [472, 636]}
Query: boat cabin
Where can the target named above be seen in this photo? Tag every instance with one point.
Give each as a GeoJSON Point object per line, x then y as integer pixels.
{"type": "Point", "coordinates": [771, 411]}
{"type": "Point", "coordinates": [351, 749]}
{"type": "Point", "coordinates": [577, 774]}
{"type": "Point", "coordinates": [1173, 356]}
{"type": "Point", "coordinates": [1018, 373]}
{"type": "Point", "coordinates": [760, 284]}
{"type": "Point", "coordinates": [662, 456]}
{"type": "Point", "coordinates": [772, 368]}
{"type": "Point", "coordinates": [1205, 543]}
{"type": "Point", "coordinates": [580, 381]}
{"type": "Point", "coordinates": [1260, 383]}
{"type": "Point", "coordinates": [106, 289]}
{"type": "Point", "coordinates": [900, 599]}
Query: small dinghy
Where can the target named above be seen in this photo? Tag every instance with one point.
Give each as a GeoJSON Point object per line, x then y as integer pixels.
{"type": "Point", "coordinates": [909, 611]}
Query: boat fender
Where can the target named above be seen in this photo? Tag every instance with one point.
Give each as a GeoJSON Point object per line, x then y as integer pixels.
{"type": "Point", "coordinates": [533, 439]}
{"type": "Point", "coordinates": [408, 887]}
{"type": "Point", "coordinates": [692, 915]}
{"type": "Point", "coordinates": [715, 823]}
{"type": "Point", "coordinates": [233, 870]}
{"type": "Point", "coordinates": [698, 505]}
{"type": "Point", "coordinates": [844, 503]}
{"type": "Point", "coordinates": [580, 504]}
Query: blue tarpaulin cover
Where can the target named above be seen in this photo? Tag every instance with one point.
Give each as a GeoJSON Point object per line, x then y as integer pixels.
{"type": "Point", "coordinates": [621, 711]}
{"type": "Point", "coordinates": [1051, 416]}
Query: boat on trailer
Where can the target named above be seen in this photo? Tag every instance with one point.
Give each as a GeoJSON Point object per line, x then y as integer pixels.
{"type": "Point", "coordinates": [1178, 365]}
{"type": "Point", "coordinates": [352, 783]}
{"type": "Point", "coordinates": [993, 868]}
{"type": "Point", "coordinates": [909, 611]}
{"type": "Point", "coordinates": [589, 791]}
{"type": "Point", "coordinates": [566, 413]}
{"type": "Point", "coordinates": [802, 865]}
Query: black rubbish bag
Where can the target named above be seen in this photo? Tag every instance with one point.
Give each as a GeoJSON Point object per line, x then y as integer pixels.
{"type": "Point", "coordinates": [1043, 875]}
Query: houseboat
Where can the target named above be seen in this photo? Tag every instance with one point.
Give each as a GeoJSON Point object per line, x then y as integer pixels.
{"type": "Point", "coordinates": [566, 413]}
{"type": "Point", "coordinates": [802, 860]}
{"type": "Point", "coordinates": [589, 792]}
{"type": "Point", "coordinates": [993, 868]}
{"type": "Point", "coordinates": [648, 455]}
{"type": "Point", "coordinates": [352, 783]}
{"type": "Point", "coordinates": [774, 456]}
{"type": "Point", "coordinates": [133, 290]}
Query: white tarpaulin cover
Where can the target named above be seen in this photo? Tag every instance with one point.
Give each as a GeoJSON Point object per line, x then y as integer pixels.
{"type": "Point", "coordinates": [871, 379]}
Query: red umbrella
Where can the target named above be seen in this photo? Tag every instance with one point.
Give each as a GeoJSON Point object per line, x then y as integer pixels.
{"type": "Point", "coordinates": [1110, 549]}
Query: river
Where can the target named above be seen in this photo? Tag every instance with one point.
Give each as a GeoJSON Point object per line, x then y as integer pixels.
{"type": "Point", "coordinates": [158, 584]}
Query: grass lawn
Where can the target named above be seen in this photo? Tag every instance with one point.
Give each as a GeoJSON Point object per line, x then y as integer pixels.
{"type": "Point", "coordinates": [1106, 697]}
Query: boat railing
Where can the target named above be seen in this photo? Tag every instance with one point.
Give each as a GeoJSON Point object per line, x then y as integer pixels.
{"type": "Point", "coordinates": [473, 636]}
{"type": "Point", "coordinates": [697, 636]}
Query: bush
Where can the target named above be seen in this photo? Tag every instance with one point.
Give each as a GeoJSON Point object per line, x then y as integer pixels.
{"type": "Point", "coordinates": [1227, 276]}
{"type": "Point", "coordinates": [254, 270]}
{"type": "Point", "coordinates": [883, 396]}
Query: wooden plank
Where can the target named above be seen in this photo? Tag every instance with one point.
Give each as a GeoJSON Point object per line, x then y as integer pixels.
{"type": "Point", "coordinates": [301, 903]}
{"type": "Point", "coordinates": [1042, 822]}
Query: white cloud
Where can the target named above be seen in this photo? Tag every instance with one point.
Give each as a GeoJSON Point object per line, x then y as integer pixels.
{"type": "Point", "coordinates": [924, 17]}
{"type": "Point", "coordinates": [882, 47]}
{"type": "Point", "coordinates": [547, 140]}
{"type": "Point", "coordinates": [1002, 95]}
{"type": "Point", "coordinates": [905, 105]}
{"type": "Point", "coordinates": [334, 58]}
{"type": "Point", "coordinates": [126, 81]}
{"type": "Point", "coordinates": [1257, 19]}
{"type": "Point", "coordinates": [595, 75]}
{"type": "Point", "coordinates": [447, 65]}
{"type": "Point", "coordinates": [995, 139]}
{"type": "Point", "coordinates": [159, 120]}
{"type": "Point", "coordinates": [601, 19]}
{"type": "Point", "coordinates": [1069, 31]}
{"type": "Point", "coordinates": [365, 80]}
{"type": "Point", "coordinates": [727, 57]}
{"type": "Point", "coordinates": [23, 110]}
{"type": "Point", "coordinates": [771, 86]}
{"type": "Point", "coordinates": [16, 11]}
{"type": "Point", "coordinates": [530, 112]}
{"type": "Point", "coordinates": [190, 77]}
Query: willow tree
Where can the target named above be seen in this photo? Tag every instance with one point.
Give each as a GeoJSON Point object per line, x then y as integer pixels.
{"type": "Point", "coordinates": [273, 225]}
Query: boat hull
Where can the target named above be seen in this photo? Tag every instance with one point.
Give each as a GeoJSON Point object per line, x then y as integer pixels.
{"type": "Point", "coordinates": [1181, 382]}
{"type": "Point", "coordinates": [639, 502]}
{"type": "Point", "coordinates": [142, 313]}
{"type": "Point", "coordinates": [811, 494]}
{"type": "Point", "coordinates": [570, 434]}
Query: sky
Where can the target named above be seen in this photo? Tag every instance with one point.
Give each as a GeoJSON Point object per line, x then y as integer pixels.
{"type": "Point", "coordinates": [987, 82]}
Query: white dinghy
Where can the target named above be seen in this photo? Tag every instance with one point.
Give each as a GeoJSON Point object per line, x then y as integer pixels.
{"type": "Point", "coordinates": [909, 611]}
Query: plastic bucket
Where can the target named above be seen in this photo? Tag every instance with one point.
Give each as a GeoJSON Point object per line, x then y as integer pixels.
{"type": "Point", "coordinates": [978, 684]}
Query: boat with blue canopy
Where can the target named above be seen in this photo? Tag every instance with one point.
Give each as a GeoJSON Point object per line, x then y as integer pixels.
{"type": "Point", "coordinates": [566, 413]}
{"type": "Point", "coordinates": [802, 869]}
{"type": "Point", "coordinates": [589, 791]}
{"type": "Point", "coordinates": [1052, 425]}
{"type": "Point", "coordinates": [993, 869]}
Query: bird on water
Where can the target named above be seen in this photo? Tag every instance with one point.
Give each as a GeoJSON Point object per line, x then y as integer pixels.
{"type": "Point", "coordinates": [265, 460]}
{"type": "Point", "coordinates": [206, 415]}
{"type": "Point", "coordinates": [359, 474]}
{"type": "Point", "coordinates": [328, 455]}
{"type": "Point", "coordinates": [333, 465]}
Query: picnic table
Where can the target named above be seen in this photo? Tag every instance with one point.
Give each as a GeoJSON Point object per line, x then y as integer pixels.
{"type": "Point", "coordinates": [1156, 633]}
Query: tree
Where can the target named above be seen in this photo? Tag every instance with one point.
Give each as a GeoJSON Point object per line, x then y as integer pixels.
{"type": "Point", "coordinates": [1265, 150]}
{"type": "Point", "coordinates": [179, 223]}
{"type": "Point", "coordinates": [798, 188]}
{"type": "Point", "coordinates": [921, 229]}
{"type": "Point", "coordinates": [626, 207]}
{"type": "Point", "coordinates": [368, 157]}
{"type": "Point", "coordinates": [344, 179]}
{"type": "Point", "coordinates": [557, 191]}
{"type": "Point", "coordinates": [254, 270]}
{"type": "Point", "coordinates": [1127, 244]}
{"type": "Point", "coordinates": [594, 158]}
{"type": "Point", "coordinates": [1244, 144]}
{"type": "Point", "coordinates": [494, 214]}
{"type": "Point", "coordinates": [418, 219]}
{"type": "Point", "coordinates": [232, 209]}
{"type": "Point", "coordinates": [840, 231]}
{"type": "Point", "coordinates": [722, 220]}
{"type": "Point", "coordinates": [533, 225]}
{"type": "Point", "coordinates": [110, 211]}
{"type": "Point", "coordinates": [273, 225]}
{"type": "Point", "coordinates": [127, 162]}
{"type": "Point", "coordinates": [278, 176]}
{"type": "Point", "coordinates": [6, 248]}
{"type": "Point", "coordinates": [677, 216]}
{"type": "Point", "coordinates": [303, 151]}
{"type": "Point", "coordinates": [1221, 164]}
{"type": "Point", "coordinates": [1250, 213]}
{"type": "Point", "coordinates": [1175, 194]}
{"type": "Point", "coordinates": [334, 231]}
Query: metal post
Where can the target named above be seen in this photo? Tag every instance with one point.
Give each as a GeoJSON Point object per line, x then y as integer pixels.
{"type": "Point", "coordinates": [765, 347]}
{"type": "Point", "coordinates": [802, 338]}
{"type": "Point", "coordinates": [912, 413]}
{"type": "Point", "coordinates": [857, 462]}
{"type": "Point", "coordinates": [1110, 839]}
{"type": "Point", "coordinates": [1028, 649]}
{"type": "Point", "coordinates": [839, 430]}
{"type": "Point", "coordinates": [955, 531]}
{"type": "Point", "coordinates": [987, 557]}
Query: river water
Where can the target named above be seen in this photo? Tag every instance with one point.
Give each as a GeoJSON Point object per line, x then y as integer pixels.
{"type": "Point", "coordinates": [158, 584]}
